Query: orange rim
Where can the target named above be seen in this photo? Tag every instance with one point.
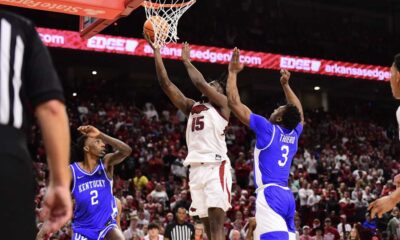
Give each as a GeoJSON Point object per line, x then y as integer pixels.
{"type": "Point", "coordinates": [148, 4]}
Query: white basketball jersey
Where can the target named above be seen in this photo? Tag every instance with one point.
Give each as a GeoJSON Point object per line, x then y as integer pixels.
{"type": "Point", "coordinates": [205, 135]}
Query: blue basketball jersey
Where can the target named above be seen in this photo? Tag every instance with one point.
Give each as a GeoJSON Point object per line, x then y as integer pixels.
{"type": "Point", "coordinates": [274, 151]}
{"type": "Point", "coordinates": [94, 202]}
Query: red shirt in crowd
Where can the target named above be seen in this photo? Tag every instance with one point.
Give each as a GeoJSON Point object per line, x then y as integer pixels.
{"type": "Point", "coordinates": [331, 233]}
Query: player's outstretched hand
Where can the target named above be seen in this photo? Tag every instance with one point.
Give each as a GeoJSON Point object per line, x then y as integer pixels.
{"type": "Point", "coordinates": [57, 209]}
{"type": "Point", "coordinates": [151, 43]}
{"type": "Point", "coordinates": [89, 131]}
{"type": "Point", "coordinates": [185, 52]}
{"type": "Point", "coordinates": [381, 206]}
{"type": "Point", "coordinates": [235, 66]}
{"type": "Point", "coordinates": [251, 227]}
{"type": "Point", "coordinates": [285, 76]}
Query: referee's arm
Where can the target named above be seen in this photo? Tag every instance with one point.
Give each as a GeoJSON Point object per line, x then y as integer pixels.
{"type": "Point", "coordinates": [45, 93]}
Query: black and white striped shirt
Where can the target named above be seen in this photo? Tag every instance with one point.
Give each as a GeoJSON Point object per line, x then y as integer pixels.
{"type": "Point", "coordinates": [27, 75]}
{"type": "Point", "coordinates": [175, 231]}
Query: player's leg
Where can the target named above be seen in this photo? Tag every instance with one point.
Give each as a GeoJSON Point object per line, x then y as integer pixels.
{"type": "Point", "coordinates": [206, 224]}
{"type": "Point", "coordinates": [217, 191]}
{"type": "Point", "coordinates": [198, 207]}
{"type": "Point", "coordinates": [290, 216]}
{"type": "Point", "coordinates": [271, 208]}
{"type": "Point", "coordinates": [216, 218]}
{"type": "Point", "coordinates": [114, 234]}
{"type": "Point", "coordinates": [17, 206]}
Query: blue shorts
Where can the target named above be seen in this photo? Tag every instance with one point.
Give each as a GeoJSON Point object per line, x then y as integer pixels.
{"type": "Point", "coordinates": [275, 210]}
{"type": "Point", "coordinates": [93, 234]}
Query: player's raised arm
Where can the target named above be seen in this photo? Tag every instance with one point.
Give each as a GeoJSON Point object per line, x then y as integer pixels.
{"type": "Point", "coordinates": [290, 95]}
{"type": "Point", "coordinates": [199, 82]}
{"type": "Point", "coordinates": [241, 111]}
{"type": "Point", "coordinates": [122, 150]}
{"type": "Point", "coordinates": [174, 94]}
{"type": "Point", "coordinates": [386, 203]}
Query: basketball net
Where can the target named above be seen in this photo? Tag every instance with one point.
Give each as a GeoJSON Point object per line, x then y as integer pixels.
{"type": "Point", "coordinates": [164, 15]}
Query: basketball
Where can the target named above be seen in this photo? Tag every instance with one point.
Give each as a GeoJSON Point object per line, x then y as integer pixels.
{"type": "Point", "coordinates": [161, 25]}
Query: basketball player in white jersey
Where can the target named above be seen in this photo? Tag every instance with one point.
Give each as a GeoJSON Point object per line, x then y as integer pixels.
{"type": "Point", "coordinates": [387, 203]}
{"type": "Point", "coordinates": [210, 178]}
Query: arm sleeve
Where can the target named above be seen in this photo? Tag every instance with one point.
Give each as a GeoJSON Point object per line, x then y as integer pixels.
{"type": "Point", "coordinates": [42, 81]}
{"type": "Point", "coordinates": [263, 129]}
{"type": "Point", "coordinates": [299, 129]}
{"type": "Point", "coordinates": [167, 233]}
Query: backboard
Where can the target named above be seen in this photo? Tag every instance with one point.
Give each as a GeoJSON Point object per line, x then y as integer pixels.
{"type": "Point", "coordinates": [95, 15]}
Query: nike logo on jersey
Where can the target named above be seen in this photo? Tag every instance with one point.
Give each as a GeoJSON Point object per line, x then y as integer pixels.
{"type": "Point", "coordinates": [79, 177]}
{"type": "Point", "coordinates": [198, 109]}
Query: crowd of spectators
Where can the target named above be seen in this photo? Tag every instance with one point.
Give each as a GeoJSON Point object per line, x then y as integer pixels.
{"type": "Point", "coordinates": [343, 163]}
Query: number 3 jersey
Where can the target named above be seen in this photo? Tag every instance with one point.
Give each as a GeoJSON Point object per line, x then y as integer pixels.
{"type": "Point", "coordinates": [94, 202]}
{"type": "Point", "coordinates": [274, 151]}
{"type": "Point", "coordinates": [205, 135]}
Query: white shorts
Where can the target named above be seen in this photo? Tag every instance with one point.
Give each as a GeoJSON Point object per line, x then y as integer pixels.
{"type": "Point", "coordinates": [275, 210]}
{"type": "Point", "coordinates": [210, 187]}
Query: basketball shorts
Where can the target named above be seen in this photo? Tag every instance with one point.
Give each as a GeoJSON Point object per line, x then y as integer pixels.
{"type": "Point", "coordinates": [93, 234]}
{"type": "Point", "coordinates": [275, 210]}
{"type": "Point", "coordinates": [17, 190]}
{"type": "Point", "coordinates": [210, 187]}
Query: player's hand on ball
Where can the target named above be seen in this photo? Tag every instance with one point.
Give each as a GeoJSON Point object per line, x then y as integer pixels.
{"type": "Point", "coordinates": [148, 39]}
{"type": "Point", "coordinates": [185, 52]}
{"type": "Point", "coordinates": [235, 66]}
{"type": "Point", "coordinates": [285, 76]}
{"type": "Point", "coordinates": [57, 209]}
{"type": "Point", "coordinates": [381, 206]}
{"type": "Point", "coordinates": [89, 131]}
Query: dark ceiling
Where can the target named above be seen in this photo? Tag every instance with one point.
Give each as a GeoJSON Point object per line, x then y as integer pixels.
{"type": "Point", "coordinates": [312, 28]}
{"type": "Point", "coordinates": [365, 31]}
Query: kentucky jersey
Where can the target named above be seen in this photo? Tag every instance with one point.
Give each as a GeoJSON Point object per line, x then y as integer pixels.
{"type": "Point", "coordinates": [205, 135]}
{"type": "Point", "coordinates": [273, 154]}
{"type": "Point", "coordinates": [274, 151]}
{"type": "Point", "coordinates": [94, 203]}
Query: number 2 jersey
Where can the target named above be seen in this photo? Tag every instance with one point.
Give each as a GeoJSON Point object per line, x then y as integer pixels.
{"type": "Point", "coordinates": [205, 135]}
{"type": "Point", "coordinates": [274, 151]}
{"type": "Point", "coordinates": [95, 206]}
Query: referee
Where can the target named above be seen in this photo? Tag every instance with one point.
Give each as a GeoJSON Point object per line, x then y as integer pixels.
{"type": "Point", "coordinates": [180, 229]}
{"type": "Point", "coordinates": [29, 85]}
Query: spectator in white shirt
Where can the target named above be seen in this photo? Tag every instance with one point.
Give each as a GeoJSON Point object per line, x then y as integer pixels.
{"type": "Point", "coordinates": [343, 228]}
{"type": "Point", "coordinates": [133, 230]}
{"type": "Point", "coordinates": [159, 195]}
{"type": "Point", "coordinates": [153, 232]}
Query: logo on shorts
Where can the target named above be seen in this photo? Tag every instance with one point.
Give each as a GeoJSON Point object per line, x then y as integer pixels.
{"type": "Point", "coordinates": [218, 157]}
{"type": "Point", "coordinates": [79, 237]}
{"type": "Point", "coordinates": [192, 209]}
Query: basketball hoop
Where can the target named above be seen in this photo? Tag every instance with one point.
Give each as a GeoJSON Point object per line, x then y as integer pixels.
{"type": "Point", "coordinates": [170, 11]}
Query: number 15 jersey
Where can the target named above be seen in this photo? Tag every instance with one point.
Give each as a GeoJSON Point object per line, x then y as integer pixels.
{"type": "Point", "coordinates": [274, 151]}
{"type": "Point", "coordinates": [205, 135]}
